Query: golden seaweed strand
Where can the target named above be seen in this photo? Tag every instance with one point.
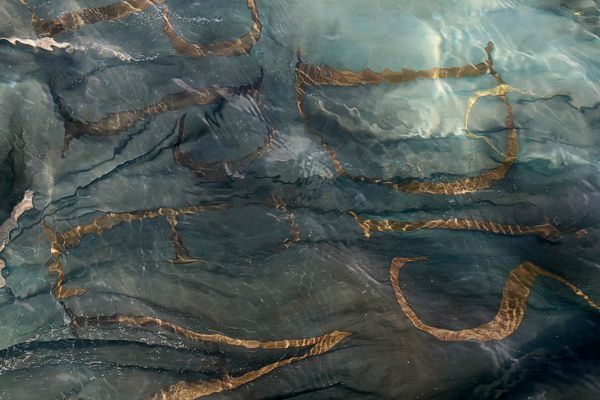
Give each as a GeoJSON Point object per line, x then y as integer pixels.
{"type": "Point", "coordinates": [55, 266]}
{"type": "Point", "coordinates": [230, 48]}
{"type": "Point", "coordinates": [513, 305]}
{"type": "Point", "coordinates": [291, 219]}
{"type": "Point", "coordinates": [546, 231]}
{"type": "Point", "coordinates": [464, 185]}
{"type": "Point", "coordinates": [211, 171]}
{"type": "Point", "coordinates": [501, 91]}
{"type": "Point", "coordinates": [115, 123]}
{"type": "Point", "coordinates": [75, 20]}
{"type": "Point", "coordinates": [62, 241]}
{"type": "Point", "coordinates": [222, 170]}
{"type": "Point", "coordinates": [309, 75]}
{"type": "Point", "coordinates": [146, 322]}
{"type": "Point", "coordinates": [182, 255]}
{"type": "Point", "coordinates": [190, 390]}
{"type": "Point", "coordinates": [479, 182]}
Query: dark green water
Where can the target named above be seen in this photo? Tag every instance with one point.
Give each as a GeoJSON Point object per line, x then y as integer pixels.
{"type": "Point", "coordinates": [248, 195]}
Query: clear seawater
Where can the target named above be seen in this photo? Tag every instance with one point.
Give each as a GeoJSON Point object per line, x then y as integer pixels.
{"type": "Point", "coordinates": [305, 269]}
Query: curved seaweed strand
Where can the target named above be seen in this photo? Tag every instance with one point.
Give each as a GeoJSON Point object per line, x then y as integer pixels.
{"type": "Point", "coordinates": [145, 322]}
{"type": "Point", "coordinates": [310, 75]}
{"type": "Point", "coordinates": [182, 255]}
{"type": "Point", "coordinates": [476, 183]}
{"type": "Point", "coordinates": [115, 123]}
{"type": "Point", "coordinates": [290, 218]}
{"type": "Point", "coordinates": [513, 305]}
{"type": "Point", "coordinates": [190, 390]}
{"type": "Point", "coordinates": [75, 20]}
{"type": "Point", "coordinates": [62, 241]}
{"type": "Point", "coordinates": [230, 48]}
{"type": "Point", "coordinates": [545, 231]}
{"type": "Point", "coordinates": [221, 170]}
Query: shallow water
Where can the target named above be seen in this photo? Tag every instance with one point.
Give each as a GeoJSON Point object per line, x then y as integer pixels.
{"type": "Point", "coordinates": [262, 217]}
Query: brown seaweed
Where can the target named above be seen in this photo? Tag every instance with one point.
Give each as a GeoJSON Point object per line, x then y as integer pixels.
{"type": "Point", "coordinates": [190, 390]}
{"type": "Point", "coordinates": [115, 123]}
{"type": "Point", "coordinates": [513, 305]}
{"type": "Point", "coordinates": [75, 20]}
{"type": "Point", "coordinates": [221, 170]}
{"type": "Point", "coordinates": [291, 219]}
{"type": "Point", "coordinates": [310, 75]}
{"type": "Point", "coordinates": [230, 48]}
{"type": "Point", "coordinates": [546, 231]}
{"type": "Point", "coordinates": [61, 242]}
{"type": "Point", "coordinates": [182, 255]}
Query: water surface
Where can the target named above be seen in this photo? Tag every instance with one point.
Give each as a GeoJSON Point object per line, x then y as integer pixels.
{"type": "Point", "coordinates": [275, 170]}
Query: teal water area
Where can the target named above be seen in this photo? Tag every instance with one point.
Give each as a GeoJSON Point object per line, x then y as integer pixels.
{"type": "Point", "coordinates": [180, 194]}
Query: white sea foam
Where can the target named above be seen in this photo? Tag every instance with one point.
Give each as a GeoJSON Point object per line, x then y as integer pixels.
{"type": "Point", "coordinates": [49, 44]}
